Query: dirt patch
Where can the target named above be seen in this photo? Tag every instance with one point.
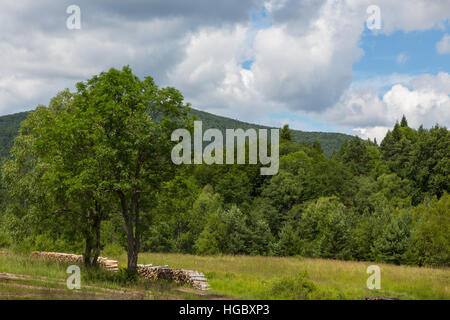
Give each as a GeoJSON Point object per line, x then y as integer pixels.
{"type": "Point", "coordinates": [10, 276]}
{"type": "Point", "coordinates": [202, 294]}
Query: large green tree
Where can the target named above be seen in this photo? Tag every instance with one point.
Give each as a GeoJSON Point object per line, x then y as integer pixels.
{"type": "Point", "coordinates": [130, 122]}
{"type": "Point", "coordinates": [51, 180]}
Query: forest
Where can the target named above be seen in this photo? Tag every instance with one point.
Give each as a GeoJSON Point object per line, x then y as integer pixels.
{"type": "Point", "coordinates": [91, 173]}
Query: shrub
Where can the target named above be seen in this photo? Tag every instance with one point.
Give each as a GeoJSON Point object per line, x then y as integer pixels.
{"type": "Point", "coordinates": [113, 250]}
{"type": "Point", "coordinates": [293, 288]}
{"type": "Point", "coordinates": [5, 241]}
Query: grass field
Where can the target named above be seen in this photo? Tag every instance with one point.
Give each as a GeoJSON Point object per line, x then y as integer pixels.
{"type": "Point", "coordinates": [237, 277]}
{"type": "Point", "coordinates": [245, 277]}
{"type": "Point", "coordinates": [23, 277]}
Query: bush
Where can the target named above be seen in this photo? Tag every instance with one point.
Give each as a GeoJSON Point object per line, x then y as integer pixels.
{"type": "Point", "coordinates": [121, 278]}
{"type": "Point", "coordinates": [5, 241]}
{"type": "Point", "coordinates": [293, 288]}
{"type": "Point", "coordinates": [113, 250]}
{"type": "Point", "coordinates": [430, 236]}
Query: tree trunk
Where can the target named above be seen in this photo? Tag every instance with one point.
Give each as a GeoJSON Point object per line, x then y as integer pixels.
{"type": "Point", "coordinates": [87, 252]}
{"type": "Point", "coordinates": [92, 236]}
{"type": "Point", "coordinates": [131, 217]}
{"type": "Point", "coordinates": [132, 254]}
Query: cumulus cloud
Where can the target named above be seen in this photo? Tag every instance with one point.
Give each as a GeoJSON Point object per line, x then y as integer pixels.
{"type": "Point", "coordinates": [303, 62]}
{"type": "Point", "coordinates": [424, 100]}
{"type": "Point", "coordinates": [293, 69]}
{"type": "Point", "coordinates": [414, 15]}
{"type": "Point", "coordinates": [149, 36]}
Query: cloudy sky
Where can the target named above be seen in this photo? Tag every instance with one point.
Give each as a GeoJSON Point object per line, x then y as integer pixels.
{"type": "Point", "coordinates": [315, 64]}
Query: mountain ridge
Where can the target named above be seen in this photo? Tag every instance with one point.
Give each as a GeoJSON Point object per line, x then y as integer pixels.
{"type": "Point", "coordinates": [330, 141]}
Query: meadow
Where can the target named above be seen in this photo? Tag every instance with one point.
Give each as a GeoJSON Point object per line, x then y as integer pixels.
{"type": "Point", "coordinates": [234, 277]}
{"type": "Point", "coordinates": [23, 277]}
{"type": "Point", "coordinates": [257, 277]}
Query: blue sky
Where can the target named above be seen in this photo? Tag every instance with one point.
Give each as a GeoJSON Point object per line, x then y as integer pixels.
{"type": "Point", "coordinates": [399, 56]}
{"type": "Point", "coordinates": [381, 52]}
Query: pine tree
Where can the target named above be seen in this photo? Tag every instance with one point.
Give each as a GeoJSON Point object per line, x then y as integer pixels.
{"type": "Point", "coordinates": [285, 133]}
{"type": "Point", "coordinates": [404, 122]}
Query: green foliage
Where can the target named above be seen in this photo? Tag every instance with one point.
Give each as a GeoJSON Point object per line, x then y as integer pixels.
{"type": "Point", "coordinates": [211, 239]}
{"type": "Point", "coordinates": [289, 242]}
{"type": "Point", "coordinates": [330, 142]}
{"type": "Point", "coordinates": [93, 170]}
{"type": "Point", "coordinates": [232, 232]}
{"type": "Point", "coordinates": [9, 129]}
{"type": "Point", "coordinates": [430, 239]}
{"type": "Point", "coordinates": [293, 288]}
{"type": "Point", "coordinates": [112, 250]}
{"type": "Point", "coordinates": [158, 238]}
{"type": "Point", "coordinates": [5, 241]}
{"type": "Point", "coordinates": [323, 229]}
{"type": "Point", "coordinates": [395, 240]}
{"type": "Point", "coordinates": [285, 133]}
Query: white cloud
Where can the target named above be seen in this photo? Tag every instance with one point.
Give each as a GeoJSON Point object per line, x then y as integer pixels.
{"type": "Point", "coordinates": [443, 46]}
{"type": "Point", "coordinates": [372, 133]}
{"type": "Point", "coordinates": [303, 62]}
{"type": "Point", "coordinates": [426, 102]}
{"type": "Point", "coordinates": [291, 70]}
{"type": "Point", "coordinates": [413, 15]}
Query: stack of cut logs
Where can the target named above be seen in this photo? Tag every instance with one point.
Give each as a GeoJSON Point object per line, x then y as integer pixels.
{"type": "Point", "coordinates": [105, 263]}
{"type": "Point", "coordinates": [180, 276]}
{"type": "Point", "coordinates": [148, 271]}
{"type": "Point", "coordinates": [108, 264]}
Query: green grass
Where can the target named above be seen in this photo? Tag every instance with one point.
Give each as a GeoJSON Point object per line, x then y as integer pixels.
{"type": "Point", "coordinates": [46, 279]}
{"type": "Point", "coordinates": [245, 277]}
{"type": "Point", "coordinates": [238, 277]}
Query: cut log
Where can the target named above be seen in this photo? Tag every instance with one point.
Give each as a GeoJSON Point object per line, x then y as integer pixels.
{"type": "Point", "coordinates": [147, 271]}
{"type": "Point", "coordinates": [105, 263]}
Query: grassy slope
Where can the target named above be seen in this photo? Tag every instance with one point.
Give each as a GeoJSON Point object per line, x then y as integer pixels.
{"type": "Point", "coordinates": [239, 277]}
{"type": "Point", "coordinates": [245, 277]}
{"type": "Point", "coordinates": [43, 279]}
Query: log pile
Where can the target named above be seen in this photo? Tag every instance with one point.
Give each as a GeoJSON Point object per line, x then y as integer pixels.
{"type": "Point", "coordinates": [148, 271]}
{"type": "Point", "coordinates": [105, 263]}
{"type": "Point", "coordinates": [108, 264]}
{"type": "Point", "coordinates": [193, 278]}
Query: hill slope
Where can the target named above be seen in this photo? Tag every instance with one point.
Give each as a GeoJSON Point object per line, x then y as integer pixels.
{"type": "Point", "coordinates": [329, 141]}
{"type": "Point", "coordinates": [9, 127]}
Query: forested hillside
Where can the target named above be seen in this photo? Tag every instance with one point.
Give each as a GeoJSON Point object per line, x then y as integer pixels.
{"type": "Point", "coordinates": [9, 127]}
{"type": "Point", "coordinates": [92, 172]}
{"type": "Point", "coordinates": [329, 141]}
